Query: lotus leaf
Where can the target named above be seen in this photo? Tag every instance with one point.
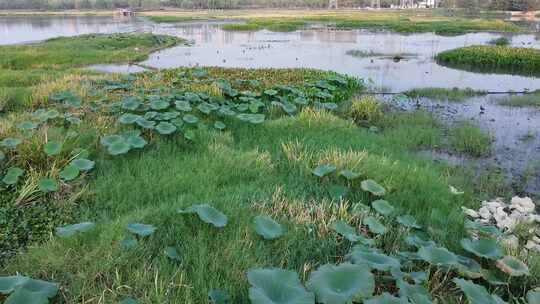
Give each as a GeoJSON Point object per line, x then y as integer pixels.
{"type": "Point", "coordinates": [218, 296]}
{"type": "Point", "coordinates": [360, 209]}
{"type": "Point", "coordinates": [128, 243]}
{"type": "Point", "coordinates": [70, 172]}
{"type": "Point", "coordinates": [128, 118]}
{"type": "Point", "coordinates": [382, 207]}
{"type": "Point", "coordinates": [374, 225]}
{"type": "Point", "coordinates": [111, 139]}
{"type": "Point", "coordinates": [24, 296]}
{"type": "Point", "coordinates": [417, 294]}
{"type": "Point", "coordinates": [277, 286]}
{"type": "Point", "coordinates": [373, 187]}
{"type": "Point", "coordinates": [386, 298]}
{"type": "Point", "coordinates": [345, 230]}
{"type": "Point", "coordinates": [483, 229]}
{"type": "Point", "coordinates": [131, 103]}
{"type": "Point", "coordinates": [190, 119]}
{"type": "Point", "coordinates": [27, 125]}
{"type": "Point", "coordinates": [47, 185]}
{"type": "Point", "coordinates": [476, 294]}
{"type": "Point", "coordinates": [159, 104]}
{"type": "Point", "coordinates": [70, 230]}
{"type": "Point", "coordinates": [37, 288]}
{"type": "Point", "coordinates": [533, 296]}
{"type": "Point", "coordinates": [135, 141]}
{"type": "Point", "coordinates": [418, 240]}
{"type": "Point", "coordinates": [165, 128]}
{"type": "Point", "coordinates": [192, 97]}
{"type": "Point", "coordinates": [206, 108]}
{"type": "Point", "coordinates": [199, 73]}
{"type": "Point", "coordinates": [189, 135]}
{"type": "Point", "coordinates": [469, 267]}
{"type": "Point", "coordinates": [52, 148]}
{"type": "Point", "coordinates": [150, 115]}
{"type": "Point", "coordinates": [341, 284]}
{"type": "Point", "coordinates": [484, 248]}
{"type": "Point", "coordinates": [512, 266]}
{"type": "Point", "coordinates": [219, 125]}
{"type": "Point", "coordinates": [172, 253]}
{"type": "Point", "coordinates": [10, 142]}
{"type": "Point", "coordinates": [373, 259]}
{"type": "Point", "coordinates": [494, 278]}
{"type": "Point", "coordinates": [337, 192]}
{"type": "Point", "coordinates": [349, 175]}
{"type": "Point", "coordinates": [182, 105]}
{"type": "Point", "coordinates": [129, 301]}
{"type": "Point", "coordinates": [119, 147]}
{"type": "Point", "coordinates": [271, 92]}
{"type": "Point", "coordinates": [73, 102]}
{"type": "Point", "coordinates": [144, 123]}
{"type": "Point", "coordinates": [74, 120]}
{"type": "Point", "coordinates": [83, 164]}
{"type": "Point", "coordinates": [408, 221]}
{"type": "Point", "coordinates": [438, 256]}
{"type": "Point", "coordinates": [208, 214]}
{"type": "Point", "coordinates": [323, 170]}
{"type": "Point", "coordinates": [141, 230]}
{"type": "Point", "coordinates": [12, 175]}
{"type": "Point", "coordinates": [267, 227]}
{"type": "Point", "coordinates": [329, 105]}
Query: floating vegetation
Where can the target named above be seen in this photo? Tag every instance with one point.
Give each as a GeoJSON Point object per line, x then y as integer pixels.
{"type": "Point", "coordinates": [501, 41]}
{"type": "Point", "coordinates": [454, 94]}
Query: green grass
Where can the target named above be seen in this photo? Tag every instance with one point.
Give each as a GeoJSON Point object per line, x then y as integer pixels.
{"type": "Point", "coordinates": [466, 137]}
{"type": "Point", "coordinates": [491, 58]}
{"type": "Point", "coordinates": [241, 27]}
{"type": "Point", "coordinates": [525, 100]}
{"type": "Point", "coordinates": [454, 94]}
{"type": "Point", "coordinates": [502, 41]}
{"type": "Point", "coordinates": [269, 24]}
{"type": "Point", "coordinates": [172, 19]}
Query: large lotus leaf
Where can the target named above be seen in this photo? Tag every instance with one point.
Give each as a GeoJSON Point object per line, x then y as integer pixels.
{"type": "Point", "coordinates": [267, 227]}
{"type": "Point", "coordinates": [165, 128]}
{"type": "Point", "coordinates": [374, 225]}
{"type": "Point", "coordinates": [47, 185]}
{"type": "Point", "coordinates": [27, 125]}
{"type": "Point", "coordinates": [218, 296]}
{"type": "Point", "coordinates": [349, 175]}
{"type": "Point", "coordinates": [172, 253]}
{"type": "Point", "coordinates": [145, 123]}
{"type": "Point", "coordinates": [485, 248]}
{"type": "Point", "coordinates": [159, 104]}
{"type": "Point", "coordinates": [182, 105]}
{"type": "Point", "coordinates": [476, 294]}
{"type": "Point", "coordinates": [170, 115]}
{"type": "Point", "coordinates": [345, 230]}
{"type": "Point", "coordinates": [12, 175]}
{"type": "Point", "coordinates": [135, 141]}
{"type": "Point", "coordinates": [340, 284]}
{"type": "Point", "coordinates": [373, 259]}
{"type": "Point", "coordinates": [119, 147]}
{"type": "Point", "coordinates": [129, 301]}
{"type": "Point", "coordinates": [469, 268]}
{"type": "Point", "coordinates": [382, 207]}
{"type": "Point", "coordinates": [270, 92]}
{"type": "Point", "coordinates": [141, 230]}
{"type": "Point", "coordinates": [128, 242]}
{"type": "Point", "coordinates": [70, 172]}
{"type": "Point", "coordinates": [512, 266]}
{"type": "Point", "coordinates": [373, 187]}
{"type": "Point", "coordinates": [408, 221]}
{"type": "Point", "coordinates": [73, 229]}
{"type": "Point", "coordinates": [337, 192]}
{"type": "Point", "coordinates": [110, 139]}
{"type": "Point", "coordinates": [386, 298]}
{"type": "Point", "coordinates": [24, 296]}
{"type": "Point", "coordinates": [483, 229]}
{"type": "Point", "coordinates": [219, 125]}
{"type": "Point", "coordinates": [252, 118]}
{"type": "Point", "coordinates": [130, 103]}
{"type": "Point", "coordinates": [128, 118]}
{"type": "Point", "coordinates": [419, 240]}
{"type": "Point", "coordinates": [10, 142]}
{"type": "Point", "coordinates": [190, 119]}
{"type": "Point", "coordinates": [52, 148]}
{"type": "Point", "coordinates": [323, 170]}
{"type": "Point", "coordinates": [533, 296]}
{"type": "Point", "coordinates": [208, 214]}
{"type": "Point", "coordinates": [83, 164]}
{"type": "Point", "coordinates": [417, 294]}
{"type": "Point", "coordinates": [12, 283]}
{"type": "Point", "coordinates": [438, 256]}
{"type": "Point", "coordinates": [277, 286]}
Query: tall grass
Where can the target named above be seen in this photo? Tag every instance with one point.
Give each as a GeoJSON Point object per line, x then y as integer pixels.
{"type": "Point", "coordinates": [466, 137]}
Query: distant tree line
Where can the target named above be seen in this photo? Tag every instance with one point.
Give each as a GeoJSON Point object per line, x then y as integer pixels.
{"type": "Point", "coordinates": [224, 4]}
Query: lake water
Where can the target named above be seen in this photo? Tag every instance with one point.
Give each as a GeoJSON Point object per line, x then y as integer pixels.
{"type": "Point", "coordinates": [311, 48]}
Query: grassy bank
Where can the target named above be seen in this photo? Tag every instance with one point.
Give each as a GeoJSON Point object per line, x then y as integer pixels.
{"type": "Point", "coordinates": [497, 59]}
{"type": "Point", "coordinates": [524, 100]}
{"type": "Point", "coordinates": [444, 94]}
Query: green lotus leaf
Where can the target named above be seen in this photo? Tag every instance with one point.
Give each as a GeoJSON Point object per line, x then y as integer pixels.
{"type": "Point", "coordinates": [159, 104]}
{"type": "Point", "coordinates": [12, 175]}
{"type": "Point", "coordinates": [10, 142]}
{"type": "Point", "coordinates": [383, 207]}
{"type": "Point", "coordinates": [190, 119]}
{"type": "Point", "coordinates": [128, 242]}
{"type": "Point", "coordinates": [360, 209]}
{"type": "Point", "coordinates": [119, 147]}
{"type": "Point", "coordinates": [131, 103]}
{"type": "Point", "coordinates": [331, 106]}
{"type": "Point", "coordinates": [219, 125]}
{"type": "Point", "coordinates": [70, 230]}
{"type": "Point", "coordinates": [27, 125]}
{"type": "Point", "coordinates": [150, 115]}
{"type": "Point", "coordinates": [408, 221]}
{"type": "Point", "coordinates": [206, 108]}
{"type": "Point", "coordinates": [74, 120]}
{"type": "Point", "coordinates": [135, 141]}
{"type": "Point", "coordinates": [271, 92]}
{"type": "Point", "coordinates": [25, 296]}
{"type": "Point", "coordinates": [165, 128]}
{"type": "Point", "coordinates": [70, 172]}
{"type": "Point", "coordinates": [386, 298]}
{"type": "Point", "coordinates": [172, 253]}
{"type": "Point", "coordinates": [38, 288]}
{"type": "Point", "coordinates": [289, 108]}
{"type": "Point", "coordinates": [218, 296]}
{"type": "Point", "coordinates": [182, 105]}
{"type": "Point", "coordinates": [373, 187]}
{"type": "Point", "coordinates": [345, 230]}
{"type": "Point", "coordinates": [83, 164]}
{"type": "Point", "coordinates": [128, 118]}
{"type": "Point", "coordinates": [267, 227]}
{"type": "Point", "coordinates": [277, 286]}
{"type": "Point", "coordinates": [337, 192]}
{"type": "Point", "coordinates": [374, 225]}
{"type": "Point", "coordinates": [146, 124]}
{"type": "Point", "coordinates": [373, 259]}
{"type": "Point", "coordinates": [110, 139]}
{"type": "Point", "coordinates": [47, 185]}
{"type": "Point", "coordinates": [469, 268]}
{"type": "Point", "coordinates": [192, 97]}
{"type": "Point", "coordinates": [340, 284]}
{"type": "Point", "coordinates": [476, 294]}
{"type": "Point", "coordinates": [208, 214]}
{"type": "Point", "coordinates": [484, 248]}
{"type": "Point", "coordinates": [417, 294]}
{"type": "Point", "coordinates": [256, 118]}
{"type": "Point", "coordinates": [141, 230]}
{"type": "Point", "coordinates": [52, 148]}
{"type": "Point", "coordinates": [512, 266]}
{"type": "Point", "coordinates": [129, 301]}
{"type": "Point", "coordinates": [73, 102]}
{"type": "Point", "coordinates": [438, 256]}
{"type": "Point", "coordinates": [533, 296]}
{"type": "Point", "coordinates": [80, 153]}
{"type": "Point", "coordinates": [417, 240]}
{"type": "Point", "coordinates": [483, 229]}
{"type": "Point", "coordinates": [323, 170]}
{"type": "Point", "coordinates": [349, 175]}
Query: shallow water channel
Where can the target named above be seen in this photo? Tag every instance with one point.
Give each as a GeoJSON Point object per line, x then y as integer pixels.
{"type": "Point", "coordinates": [321, 48]}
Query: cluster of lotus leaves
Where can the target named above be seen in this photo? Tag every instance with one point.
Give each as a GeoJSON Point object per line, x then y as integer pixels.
{"type": "Point", "coordinates": [26, 290]}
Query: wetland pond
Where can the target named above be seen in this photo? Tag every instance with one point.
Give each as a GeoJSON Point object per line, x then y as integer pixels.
{"type": "Point", "coordinates": [370, 55]}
